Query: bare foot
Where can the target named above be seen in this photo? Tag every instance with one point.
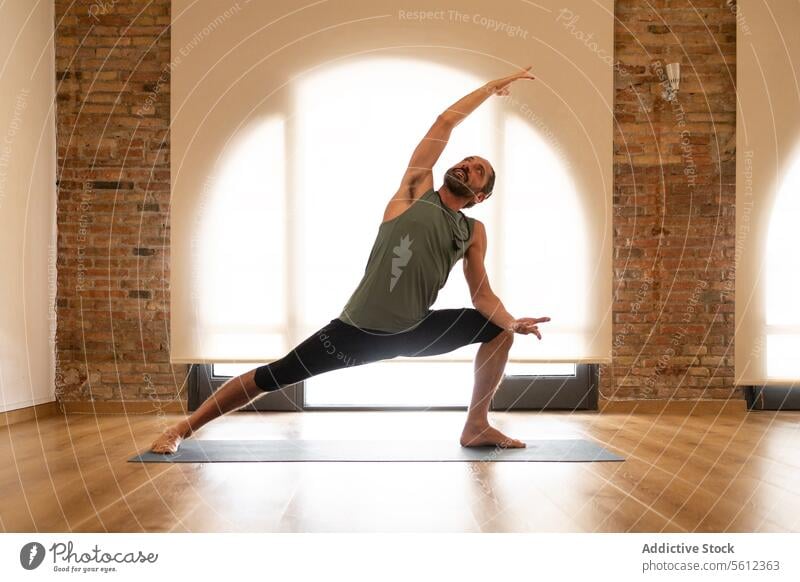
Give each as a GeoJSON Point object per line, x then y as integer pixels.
{"type": "Point", "coordinates": [170, 439]}
{"type": "Point", "coordinates": [488, 436]}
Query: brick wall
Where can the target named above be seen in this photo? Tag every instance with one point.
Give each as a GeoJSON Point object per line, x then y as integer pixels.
{"type": "Point", "coordinates": [113, 201]}
{"type": "Point", "coordinates": [673, 202]}
{"type": "Point", "coordinates": [674, 196]}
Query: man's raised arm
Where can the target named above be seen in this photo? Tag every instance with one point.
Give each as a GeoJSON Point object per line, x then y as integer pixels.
{"type": "Point", "coordinates": [418, 177]}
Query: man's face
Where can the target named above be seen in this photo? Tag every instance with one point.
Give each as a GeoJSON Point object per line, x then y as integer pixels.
{"type": "Point", "coordinates": [468, 178]}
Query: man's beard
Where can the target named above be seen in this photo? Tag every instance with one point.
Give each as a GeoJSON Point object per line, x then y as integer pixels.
{"type": "Point", "coordinates": [457, 187]}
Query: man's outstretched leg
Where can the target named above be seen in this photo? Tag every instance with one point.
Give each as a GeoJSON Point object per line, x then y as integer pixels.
{"type": "Point", "coordinates": [489, 365]}
{"type": "Point", "coordinates": [232, 395]}
{"type": "Point", "coordinates": [336, 345]}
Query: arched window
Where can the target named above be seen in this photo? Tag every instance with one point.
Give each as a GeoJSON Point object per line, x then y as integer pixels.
{"type": "Point", "coordinates": [283, 226]}
{"type": "Point", "coordinates": [782, 308]}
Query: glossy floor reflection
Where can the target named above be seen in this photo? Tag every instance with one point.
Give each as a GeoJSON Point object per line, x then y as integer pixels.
{"type": "Point", "coordinates": [737, 472]}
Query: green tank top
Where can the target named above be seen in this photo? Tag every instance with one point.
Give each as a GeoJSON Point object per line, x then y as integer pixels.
{"type": "Point", "coordinates": [409, 263]}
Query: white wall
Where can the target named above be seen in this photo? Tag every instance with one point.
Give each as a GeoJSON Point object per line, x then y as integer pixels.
{"type": "Point", "coordinates": [27, 204]}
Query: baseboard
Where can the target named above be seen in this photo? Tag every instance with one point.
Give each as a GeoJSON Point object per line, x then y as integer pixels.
{"type": "Point", "coordinates": [36, 412]}
{"type": "Point", "coordinates": [123, 406]}
{"type": "Point", "coordinates": [685, 407]}
{"type": "Point", "coordinates": [7, 406]}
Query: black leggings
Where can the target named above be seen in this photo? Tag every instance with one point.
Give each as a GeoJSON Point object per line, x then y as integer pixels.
{"type": "Point", "coordinates": [339, 345]}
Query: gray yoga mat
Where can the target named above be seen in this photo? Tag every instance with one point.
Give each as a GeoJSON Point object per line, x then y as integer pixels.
{"type": "Point", "coordinates": [287, 451]}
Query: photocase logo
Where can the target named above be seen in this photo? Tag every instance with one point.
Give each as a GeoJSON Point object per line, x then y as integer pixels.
{"type": "Point", "coordinates": [31, 555]}
{"type": "Point", "coordinates": [402, 254]}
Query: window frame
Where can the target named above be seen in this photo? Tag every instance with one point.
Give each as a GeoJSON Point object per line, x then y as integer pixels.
{"type": "Point", "coordinates": [528, 392]}
{"type": "Point", "coordinates": [772, 397]}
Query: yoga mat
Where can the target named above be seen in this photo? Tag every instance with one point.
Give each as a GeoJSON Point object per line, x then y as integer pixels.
{"type": "Point", "coordinates": [288, 451]}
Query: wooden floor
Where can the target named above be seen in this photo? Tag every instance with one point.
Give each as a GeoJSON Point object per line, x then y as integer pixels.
{"type": "Point", "coordinates": [737, 472]}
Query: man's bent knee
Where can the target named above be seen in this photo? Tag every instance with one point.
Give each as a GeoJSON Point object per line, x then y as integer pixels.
{"type": "Point", "coordinates": [268, 377]}
{"type": "Point", "coordinates": [504, 339]}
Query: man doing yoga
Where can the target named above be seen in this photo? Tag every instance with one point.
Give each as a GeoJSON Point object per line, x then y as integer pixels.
{"type": "Point", "coordinates": [422, 235]}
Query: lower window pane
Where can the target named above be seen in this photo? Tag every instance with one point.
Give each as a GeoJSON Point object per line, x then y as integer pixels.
{"type": "Point", "coordinates": [409, 384]}
{"type": "Point", "coordinates": [535, 369]}
{"type": "Point", "coordinates": [231, 370]}
{"type": "Point", "coordinates": [399, 384]}
{"type": "Point", "coordinates": [393, 384]}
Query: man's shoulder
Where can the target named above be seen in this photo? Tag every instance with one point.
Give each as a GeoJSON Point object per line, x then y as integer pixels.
{"type": "Point", "coordinates": [477, 226]}
{"type": "Point", "coordinates": [477, 234]}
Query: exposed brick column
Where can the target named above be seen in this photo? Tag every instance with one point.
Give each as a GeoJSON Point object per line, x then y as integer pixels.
{"type": "Point", "coordinates": [674, 196]}
{"type": "Point", "coordinates": [113, 118]}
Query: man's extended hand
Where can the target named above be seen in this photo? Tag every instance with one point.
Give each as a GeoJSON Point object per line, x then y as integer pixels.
{"type": "Point", "coordinates": [501, 86]}
{"type": "Point", "coordinates": [526, 325]}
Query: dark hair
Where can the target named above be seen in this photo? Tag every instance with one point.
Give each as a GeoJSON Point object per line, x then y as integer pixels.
{"type": "Point", "coordinates": [489, 183]}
